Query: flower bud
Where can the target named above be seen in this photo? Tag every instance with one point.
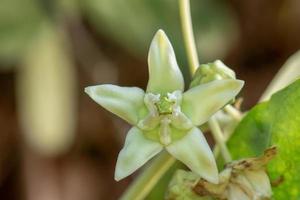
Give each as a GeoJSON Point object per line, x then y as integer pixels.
{"type": "Point", "coordinates": [211, 72]}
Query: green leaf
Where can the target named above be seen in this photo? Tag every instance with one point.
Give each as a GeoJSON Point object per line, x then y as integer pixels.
{"type": "Point", "coordinates": [276, 122]}
{"type": "Point", "coordinates": [251, 136]}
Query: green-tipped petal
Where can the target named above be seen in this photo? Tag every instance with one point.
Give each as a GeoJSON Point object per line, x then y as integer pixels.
{"type": "Point", "coordinates": [125, 102]}
{"type": "Point", "coordinates": [136, 152]}
{"type": "Point", "coordinates": [164, 73]}
{"type": "Point", "coordinates": [201, 102]}
{"type": "Point", "coordinates": [195, 153]}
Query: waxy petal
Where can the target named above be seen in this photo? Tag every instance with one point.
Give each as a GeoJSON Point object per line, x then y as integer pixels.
{"type": "Point", "coordinates": [201, 102]}
{"type": "Point", "coordinates": [194, 152]}
{"type": "Point", "coordinates": [125, 102]}
{"type": "Point", "coordinates": [164, 73]}
{"type": "Point", "coordinates": [260, 182]}
{"type": "Point", "coordinates": [236, 193]}
{"type": "Point", "coordinates": [136, 152]}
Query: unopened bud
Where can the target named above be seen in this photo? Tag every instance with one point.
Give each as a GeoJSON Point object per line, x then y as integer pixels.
{"type": "Point", "coordinates": [211, 72]}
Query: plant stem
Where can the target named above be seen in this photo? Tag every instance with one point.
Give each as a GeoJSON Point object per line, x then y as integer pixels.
{"type": "Point", "coordinates": [188, 35]}
{"type": "Point", "coordinates": [233, 112]}
{"type": "Point", "coordinates": [141, 187]}
{"type": "Point", "coordinates": [187, 29]}
{"type": "Point", "coordinates": [219, 138]}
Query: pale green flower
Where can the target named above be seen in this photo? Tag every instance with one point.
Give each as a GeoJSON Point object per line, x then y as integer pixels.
{"type": "Point", "coordinates": [164, 116]}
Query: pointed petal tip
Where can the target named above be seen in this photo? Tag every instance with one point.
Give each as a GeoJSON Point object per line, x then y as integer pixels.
{"type": "Point", "coordinates": [160, 33]}
{"type": "Point", "coordinates": [88, 90]}
{"type": "Point", "coordinates": [161, 38]}
{"type": "Point", "coordinates": [234, 84]}
{"type": "Point", "coordinates": [118, 177]}
{"type": "Point", "coordinates": [241, 83]}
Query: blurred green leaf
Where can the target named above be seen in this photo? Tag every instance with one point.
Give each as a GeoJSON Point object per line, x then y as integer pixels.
{"type": "Point", "coordinates": [276, 122]}
{"type": "Point", "coordinates": [133, 23]}
{"type": "Point", "coordinates": [19, 23]}
{"type": "Point", "coordinates": [251, 137]}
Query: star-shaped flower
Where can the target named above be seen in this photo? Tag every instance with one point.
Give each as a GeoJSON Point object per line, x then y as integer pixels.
{"type": "Point", "coordinates": [163, 116]}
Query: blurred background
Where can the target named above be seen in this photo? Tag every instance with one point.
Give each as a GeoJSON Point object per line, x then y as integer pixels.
{"type": "Point", "coordinates": [55, 142]}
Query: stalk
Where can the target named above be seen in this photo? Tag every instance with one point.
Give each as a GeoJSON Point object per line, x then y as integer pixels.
{"type": "Point", "coordinates": [187, 29]}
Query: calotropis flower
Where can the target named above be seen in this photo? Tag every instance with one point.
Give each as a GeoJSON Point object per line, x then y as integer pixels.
{"type": "Point", "coordinates": [164, 116]}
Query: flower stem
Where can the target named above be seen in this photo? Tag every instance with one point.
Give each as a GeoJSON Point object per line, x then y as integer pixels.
{"type": "Point", "coordinates": [233, 112]}
{"type": "Point", "coordinates": [188, 35]}
{"type": "Point", "coordinates": [187, 29]}
{"type": "Point", "coordinates": [141, 187]}
{"type": "Point", "coordinates": [219, 138]}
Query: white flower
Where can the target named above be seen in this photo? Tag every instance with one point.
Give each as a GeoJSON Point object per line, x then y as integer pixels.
{"type": "Point", "coordinates": [164, 116]}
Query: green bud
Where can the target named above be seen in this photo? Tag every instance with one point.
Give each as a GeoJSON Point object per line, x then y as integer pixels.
{"type": "Point", "coordinates": [211, 72]}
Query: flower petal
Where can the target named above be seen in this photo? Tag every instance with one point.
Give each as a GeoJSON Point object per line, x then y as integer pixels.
{"type": "Point", "coordinates": [260, 182]}
{"type": "Point", "coordinates": [137, 151]}
{"type": "Point", "coordinates": [126, 102]}
{"type": "Point", "coordinates": [194, 152]}
{"type": "Point", "coordinates": [164, 73]}
{"type": "Point", "coordinates": [236, 193]}
{"type": "Point", "coordinates": [201, 102]}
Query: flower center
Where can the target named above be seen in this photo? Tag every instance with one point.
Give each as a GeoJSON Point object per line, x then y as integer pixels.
{"type": "Point", "coordinates": [165, 105]}
{"type": "Point", "coordinates": [164, 112]}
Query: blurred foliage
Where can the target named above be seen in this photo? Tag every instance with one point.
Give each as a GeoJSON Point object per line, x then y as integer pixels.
{"type": "Point", "coordinates": [129, 23]}
{"type": "Point", "coordinates": [276, 122]}
{"type": "Point", "coordinates": [19, 22]}
{"type": "Point", "coordinates": [46, 92]}
{"type": "Point", "coordinates": [133, 23]}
